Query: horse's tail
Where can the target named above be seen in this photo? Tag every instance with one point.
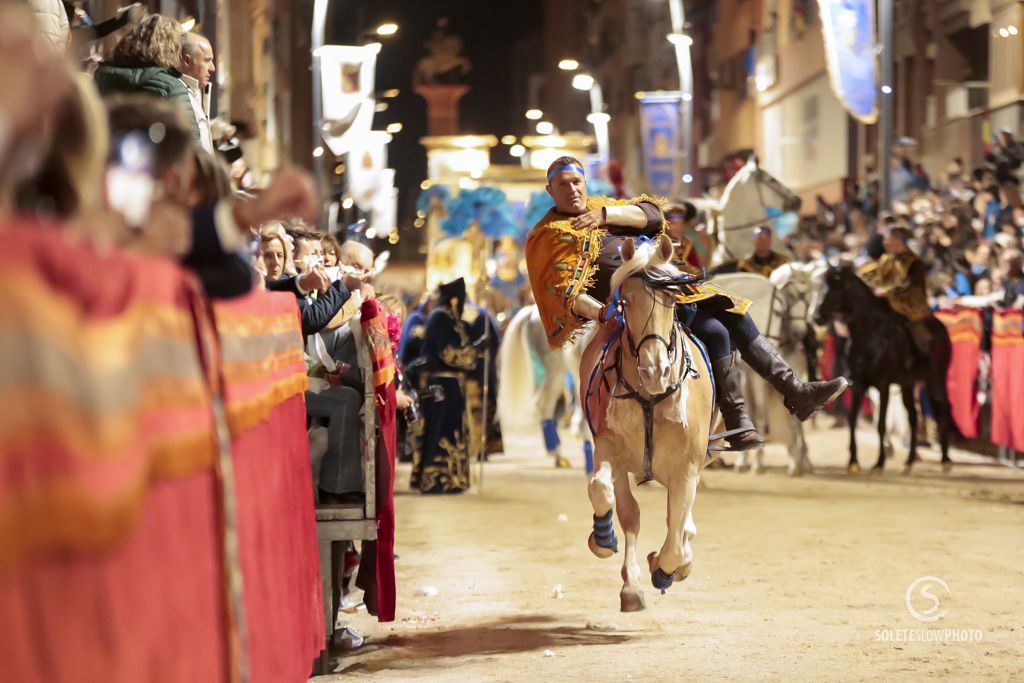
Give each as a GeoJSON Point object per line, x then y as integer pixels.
{"type": "Point", "coordinates": [516, 389]}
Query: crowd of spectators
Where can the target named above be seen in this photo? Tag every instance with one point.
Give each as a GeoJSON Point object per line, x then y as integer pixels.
{"type": "Point", "coordinates": [120, 150]}
{"type": "Point", "coordinates": [967, 225]}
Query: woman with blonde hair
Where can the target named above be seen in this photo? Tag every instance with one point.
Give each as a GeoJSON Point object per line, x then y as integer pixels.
{"type": "Point", "coordinates": [70, 181]}
{"type": "Point", "coordinates": [275, 253]}
{"type": "Point", "coordinates": [146, 61]}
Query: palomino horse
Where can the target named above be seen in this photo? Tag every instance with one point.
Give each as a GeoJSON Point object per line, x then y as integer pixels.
{"type": "Point", "coordinates": [883, 353]}
{"type": "Point", "coordinates": [534, 378]}
{"type": "Point", "coordinates": [649, 399]}
{"type": "Point", "coordinates": [782, 310]}
{"type": "Point", "coordinates": [750, 199]}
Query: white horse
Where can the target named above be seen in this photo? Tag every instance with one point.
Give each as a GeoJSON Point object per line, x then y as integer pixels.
{"type": "Point", "coordinates": [744, 205]}
{"type": "Point", "coordinates": [534, 377]}
{"type": "Point", "coordinates": [783, 305]}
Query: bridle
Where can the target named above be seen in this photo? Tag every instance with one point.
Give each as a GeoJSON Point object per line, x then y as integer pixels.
{"type": "Point", "coordinates": [679, 357]}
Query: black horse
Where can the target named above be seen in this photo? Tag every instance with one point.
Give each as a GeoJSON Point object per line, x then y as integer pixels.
{"type": "Point", "coordinates": [882, 353]}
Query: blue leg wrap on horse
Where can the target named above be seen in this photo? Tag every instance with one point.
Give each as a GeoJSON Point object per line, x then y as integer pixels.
{"type": "Point", "coordinates": [604, 532]}
{"type": "Point", "coordinates": [551, 440]}
{"type": "Point", "coordinates": [588, 457]}
{"type": "Point", "coordinates": [661, 580]}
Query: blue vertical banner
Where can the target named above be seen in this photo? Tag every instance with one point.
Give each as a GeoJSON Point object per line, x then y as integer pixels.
{"type": "Point", "coordinates": [660, 121]}
{"type": "Point", "coordinates": [848, 27]}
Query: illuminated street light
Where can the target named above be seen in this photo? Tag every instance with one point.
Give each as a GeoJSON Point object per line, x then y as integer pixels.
{"type": "Point", "coordinates": [598, 117]}
{"type": "Point", "coordinates": [1012, 30]}
{"type": "Point", "coordinates": [188, 24]}
{"type": "Point", "coordinates": [687, 178]}
{"type": "Point", "coordinates": [583, 81]}
{"type": "Point", "coordinates": [508, 139]}
{"type": "Point", "coordinates": [387, 29]}
{"type": "Point", "coordinates": [1003, 33]}
{"type": "Point", "coordinates": [318, 152]}
{"type": "Point", "coordinates": [389, 93]}
{"type": "Point", "coordinates": [394, 128]}
{"type": "Point", "coordinates": [545, 127]}
{"type": "Point", "coordinates": [534, 114]}
{"type": "Point", "coordinates": [680, 39]}
{"type": "Point", "coordinates": [568, 65]}
{"type": "Point", "coordinates": [348, 203]}
{"type": "Point", "coordinates": [517, 150]}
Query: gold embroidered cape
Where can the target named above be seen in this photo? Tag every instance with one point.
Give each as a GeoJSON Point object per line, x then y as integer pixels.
{"type": "Point", "coordinates": [905, 291]}
{"type": "Point", "coordinates": [562, 263]}
{"type": "Point", "coordinates": [765, 268]}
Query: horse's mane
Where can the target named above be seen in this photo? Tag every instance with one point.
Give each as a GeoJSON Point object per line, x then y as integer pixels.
{"type": "Point", "coordinates": [657, 272]}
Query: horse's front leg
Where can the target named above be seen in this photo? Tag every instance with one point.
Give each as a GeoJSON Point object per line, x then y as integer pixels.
{"type": "Point", "coordinates": [673, 563]}
{"type": "Point", "coordinates": [631, 598]}
{"type": "Point", "coordinates": [799, 463]}
{"type": "Point", "coordinates": [602, 541]}
{"type": "Point", "coordinates": [909, 404]}
{"type": "Point", "coordinates": [857, 397]}
{"type": "Point", "coordinates": [883, 410]}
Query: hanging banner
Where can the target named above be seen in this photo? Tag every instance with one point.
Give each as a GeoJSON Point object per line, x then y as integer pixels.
{"type": "Point", "coordinates": [367, 159]}
{"type": "Point", "coordinates": [346, 83]}
{"type": "Point", "coordinates": [385, 206]}
{"type": "Point", "coordinates": [660, 129]}
{"type": "Point", "coordinates": [848, 27]}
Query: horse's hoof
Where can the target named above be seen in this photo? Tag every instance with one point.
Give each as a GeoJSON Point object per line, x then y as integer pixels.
{"type": "Point", "coordinates": [632, 602]}
{"type": "Point", "coordinates": [681, 573]}
{"type": "Point", "coordinates": [905, 472]}
{"type": "Point", "coordinates": [562, 463]}
{"type": "Point", "coordinates": [877, 471]}
{"type": "Point", "coordinates": [661, 580]}
{"type": "Point", "coordinates": [853, 468]}
{"type": "Point", "coordinates": [599, 551]}
{"type": "Point", "coordinates": [947, 467]}
{"type": "Point", "coordinates": [757, 470]}
{"type": "Point", "coordinates": [796, 472]}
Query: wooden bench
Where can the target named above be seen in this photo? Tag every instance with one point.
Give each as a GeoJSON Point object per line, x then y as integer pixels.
{"type": "Point", "coordinates": [336, 524]}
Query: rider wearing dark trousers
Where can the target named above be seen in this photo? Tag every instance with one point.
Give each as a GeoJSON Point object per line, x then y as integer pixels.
{"type": "Point", "coordinates": [570, 272]}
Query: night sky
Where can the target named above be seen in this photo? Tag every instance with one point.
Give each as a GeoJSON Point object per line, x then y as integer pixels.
{"type": "Point", "coordinates": [489, 32]}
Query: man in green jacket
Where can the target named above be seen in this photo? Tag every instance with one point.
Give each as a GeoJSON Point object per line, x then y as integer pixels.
{"type": "Point", "coordinates": [145, 61]}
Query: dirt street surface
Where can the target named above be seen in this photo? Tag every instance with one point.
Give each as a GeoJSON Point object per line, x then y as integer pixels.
{"type": "Point", "coordinates": [794, 579]}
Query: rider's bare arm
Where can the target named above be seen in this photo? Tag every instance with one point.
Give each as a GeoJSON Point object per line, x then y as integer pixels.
{"type": "Point", "coordinates": [645, 216]}
{"type": "Point", "coordinates": [587, 307]}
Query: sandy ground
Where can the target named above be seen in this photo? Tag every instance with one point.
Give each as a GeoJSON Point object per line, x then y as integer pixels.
{"type": "Point", "coordinates": [794, 579]}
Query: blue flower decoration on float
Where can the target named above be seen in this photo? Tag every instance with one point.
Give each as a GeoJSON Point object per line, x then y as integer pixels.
{"type": "Point", "coordinates": [487, 207]}
{"type": "Point", "coordinates": [439, 192]}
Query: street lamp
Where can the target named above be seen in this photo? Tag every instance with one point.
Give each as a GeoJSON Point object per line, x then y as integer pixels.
{"type": "Point", "coordinates": [517, 150]}
{"type": "Point", "coordinates": [545, 127]}
{"type": "Point", "coordinates": [680, 39]}
{"type": "Point", "coordinates": [583, 81]}
{"type": "Point", "coordinates": [394, 128]}
{"type": "Point", "coordinates": [508, 139]}
{"type": "Point", "coordinates": [568, 65]}
{"type": "Point", "coordinates": [387, 29]}
{"type": "Point", "coordinates": [534, 114]}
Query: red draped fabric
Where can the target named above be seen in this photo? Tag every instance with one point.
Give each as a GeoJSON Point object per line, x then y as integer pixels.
{"type": "Point", "coordinates": [375, 327]}
{"type": "Point", "coordinates": [264, 374]}
{"type": "Point", "coordinates": [1008, 379]}
{"type": "Point", "coordinates": [112, 536]}
{"type": "Point", "coordinates": [965, 331]}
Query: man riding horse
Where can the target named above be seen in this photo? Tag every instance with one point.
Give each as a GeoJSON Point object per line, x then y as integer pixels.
{"type": "Point", "coordinates": [570, 255]}
{"type": "Point", "coordinates": [899, 276]}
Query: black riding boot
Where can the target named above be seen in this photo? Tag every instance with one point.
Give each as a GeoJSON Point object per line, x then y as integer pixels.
{"type": "Point", "coordinates": [729, 388]}
{"type": "Point", "coordinates": [802, 399]}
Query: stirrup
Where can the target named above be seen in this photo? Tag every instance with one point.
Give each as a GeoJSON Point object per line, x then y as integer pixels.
{"type": "Point", "coordinates": [730, 433]}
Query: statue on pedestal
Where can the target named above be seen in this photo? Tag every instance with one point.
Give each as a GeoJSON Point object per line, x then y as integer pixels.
{"type": "Point", "coordinates": [444, 63]}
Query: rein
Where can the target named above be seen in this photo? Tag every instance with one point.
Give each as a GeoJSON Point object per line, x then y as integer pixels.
{"type": "Point", "coordinates": [678, 353]}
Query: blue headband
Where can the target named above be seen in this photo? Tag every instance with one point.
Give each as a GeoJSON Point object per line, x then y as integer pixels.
{"type": "Point", "coordinates": [567, 167]}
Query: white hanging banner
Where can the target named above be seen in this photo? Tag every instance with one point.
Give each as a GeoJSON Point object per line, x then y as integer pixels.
{"type": "Point", "coordinates": [385, 208]}
{"type": "Point", "coordinates": [346, 83]}
{"type": "Point", "coordinates": [367, 159]}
